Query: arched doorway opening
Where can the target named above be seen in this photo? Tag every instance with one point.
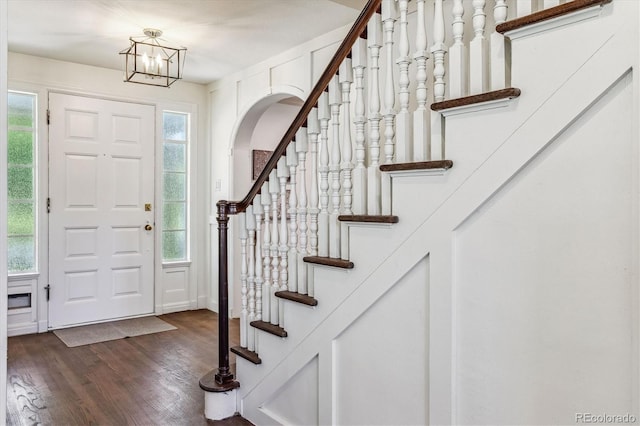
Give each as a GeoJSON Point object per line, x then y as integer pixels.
{"type": "Point", "coordinates": [261, 128]}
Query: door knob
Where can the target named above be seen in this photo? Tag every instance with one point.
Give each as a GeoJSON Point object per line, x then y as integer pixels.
{"type": "Point", "coordinates": [148, 227]}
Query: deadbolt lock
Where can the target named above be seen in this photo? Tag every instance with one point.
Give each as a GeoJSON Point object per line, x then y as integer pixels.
{"type": "Point", "coordinates": [147, 207]}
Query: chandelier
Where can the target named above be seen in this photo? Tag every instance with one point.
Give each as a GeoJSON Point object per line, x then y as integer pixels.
{"type": "Point", "coordinates": [146, 61]}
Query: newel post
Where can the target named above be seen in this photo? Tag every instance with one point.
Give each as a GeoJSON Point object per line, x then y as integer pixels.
{"type": "Point", "coordinates": [219, 385]}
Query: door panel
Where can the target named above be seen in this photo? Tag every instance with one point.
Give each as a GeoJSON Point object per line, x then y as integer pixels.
{"type": "Point", "coordinates": [101, 175]}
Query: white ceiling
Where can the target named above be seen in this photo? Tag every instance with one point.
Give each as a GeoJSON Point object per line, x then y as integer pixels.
{"type": "Point", "coordinates": [221, 36]}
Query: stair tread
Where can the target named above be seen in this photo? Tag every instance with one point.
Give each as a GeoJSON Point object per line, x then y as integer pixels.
{"type": "Point", "coordinates": [297, 297]}
{"type": "Point", "coordinates": [269, 328]}
{"type": "Point", "coordinates": [368, 218]}
{"type": "Point", "coordinates": [329, 261]}
{"type": "Point", "coordinates": [245, 353]}
{"type": "Point", "coordinates": [420, 165]}
{"type": "Point", "coordinates": [495, 95]}
{"type": "Point", "coordinates": [547, 14]}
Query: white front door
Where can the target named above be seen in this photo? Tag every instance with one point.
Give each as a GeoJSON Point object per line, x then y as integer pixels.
{"type": "Point", "coordinates": [101, 189]}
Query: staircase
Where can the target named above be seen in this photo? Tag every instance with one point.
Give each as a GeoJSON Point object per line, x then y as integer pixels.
{"type": "Point", "coordinates": [410, 258]}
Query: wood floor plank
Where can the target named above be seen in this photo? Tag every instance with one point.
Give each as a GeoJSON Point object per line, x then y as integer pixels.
{"type": "Point", "coordinates": [142, 380]}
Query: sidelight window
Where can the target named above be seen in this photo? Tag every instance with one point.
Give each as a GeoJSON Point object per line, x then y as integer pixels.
{"type": "Point", "coordinates": [175, 181]}
{"type": "Point", "coordinates": [21, 183]}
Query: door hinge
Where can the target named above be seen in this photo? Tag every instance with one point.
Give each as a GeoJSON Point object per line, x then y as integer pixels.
{"type": "Point", "coordinates": [48, 117]}
{"type": "Point", "coordinates": [48, 205]}
{"type": "Point", "coordinates": [48, 288]}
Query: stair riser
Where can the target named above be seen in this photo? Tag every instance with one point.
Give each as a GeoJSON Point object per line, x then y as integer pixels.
{"type": "Point", "coordinates": [561, 58]}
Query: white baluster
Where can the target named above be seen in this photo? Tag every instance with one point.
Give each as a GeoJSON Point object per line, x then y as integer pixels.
{"type": "Point", "coordinates": [323, 216]}
{"type": "Point", "coordinates": [313, 130]}
{"type": "Point", "coordinates": [334, 167]}
{"type": "Point", "coordinates": [292, 163]}
{"type": "Point", "coordinates": [438, 50]}
{"type": "Point", "coordinates": [258, 211]}
{"type": "Point", "coordinates": [243, 279]}
{"type": "Point", "coordinates": [302, 146]}
{"type": "Point", "coordinates": [359, 63]}
{"type": "Point", "coordinates": [497, 45]}
{"type": "Point", "coordinates": [374, 43]}
{"type": "Point", "coordinates": [251, 279]}
{"type": "Point", "coordinates": [345, 78]}
{"type": "Point", "coordinates": [478, 64]}
{"type": "Point", "coordinates": [266, 252]}
{"type": "Point", "coordinates": [420, 115]}
{"type": "Point", "coordinates": [389, 14]}
{"type": "Point", "coordinates": [274, 189]}
{"type": "Point", "coordinates": [404, 125]}
{"type": "Point", "coordinates": [523, 8]}
{"type": "Point", "coordinates": [546, 4]}
{"type": "Point", "coordinates": [458, 54]}
{"type": "Point", "coordinates": [283, 176]}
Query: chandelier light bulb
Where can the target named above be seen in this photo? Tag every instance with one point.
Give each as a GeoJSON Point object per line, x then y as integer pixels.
{"type": "Point", "coordinates": [145, 61]}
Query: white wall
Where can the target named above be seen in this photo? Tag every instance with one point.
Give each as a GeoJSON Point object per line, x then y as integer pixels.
{"type": "Point", "coordinates": [40, 75]}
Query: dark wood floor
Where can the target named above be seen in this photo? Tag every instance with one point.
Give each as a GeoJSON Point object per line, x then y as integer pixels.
{"type": "Point", "coordinates": [143, 380]}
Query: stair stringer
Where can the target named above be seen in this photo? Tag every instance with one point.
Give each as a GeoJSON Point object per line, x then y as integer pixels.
{"type": "Point", "coordinates": [538, 126]}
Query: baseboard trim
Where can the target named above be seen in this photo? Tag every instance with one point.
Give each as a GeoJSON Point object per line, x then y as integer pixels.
{"type": "Point", "coordinates": [202, 302]}
{"type": "Point", "coordinates": [176, 307]}
{"type": "Point", "coordinates": [22, 328]}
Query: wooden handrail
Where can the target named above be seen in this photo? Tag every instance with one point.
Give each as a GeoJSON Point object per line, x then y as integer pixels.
{"type": "Point", "coordinates": [360, 25]}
